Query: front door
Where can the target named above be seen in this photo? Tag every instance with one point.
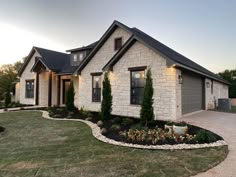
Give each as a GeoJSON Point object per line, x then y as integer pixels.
{"type": "Point", "coordinates": [65, 87]}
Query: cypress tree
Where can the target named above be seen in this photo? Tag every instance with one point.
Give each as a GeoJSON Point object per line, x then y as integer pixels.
{"type": "Point", "coordinates": [70, 98]}
{"type": "Point", "coordinates": [146, 112]}
{"type": "Point", "coordinates": [106, 106]}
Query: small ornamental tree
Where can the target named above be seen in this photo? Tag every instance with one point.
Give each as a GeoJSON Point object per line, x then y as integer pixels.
{"type": "Point", "coordinates": [146, 112]}
{"type": "Point", "coordinates": [7, 97]}
{"type": "Point", "coordinates": [70, 98]}
{"type": "Point", "coordinates": [106, 106]}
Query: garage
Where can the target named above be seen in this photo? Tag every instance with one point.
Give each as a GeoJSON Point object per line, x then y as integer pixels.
{"type": "Point", "coordinates": [192, 93]}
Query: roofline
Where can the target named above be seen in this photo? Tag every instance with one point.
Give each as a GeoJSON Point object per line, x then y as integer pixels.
{"type": "Point", "coordinates": [61, 74]}
{"type": "Point", "coordinates": [39, 59]}
{"type": "Point", "coordinates": [79, 49]}
{"type": "Point", "coordinates": [178, 65]}
{"type": "Point", "coordinates": [101, 41]}
{"type": "Point", "coordinates": [21, 70]}
{"type": "Point", "coordinates": [170, 62]}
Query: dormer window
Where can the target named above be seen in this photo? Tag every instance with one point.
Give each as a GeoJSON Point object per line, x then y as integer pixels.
{"type": "Point", "coordinates": [75, 58]}
{"type": "Point", "coordinates": [81, 56]}
{"type": "Point", "coordinates": [117, 43]}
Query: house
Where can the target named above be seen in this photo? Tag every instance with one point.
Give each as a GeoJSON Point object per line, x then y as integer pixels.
{"type": "Point", "coordinates": [181, 86]}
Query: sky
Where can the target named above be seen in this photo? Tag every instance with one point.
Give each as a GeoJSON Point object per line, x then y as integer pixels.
{"type": "Point", "coordinates": [204, 31]}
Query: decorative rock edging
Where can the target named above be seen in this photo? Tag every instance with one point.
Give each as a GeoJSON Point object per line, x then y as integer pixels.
{"type": "Point", "coordinates": [97, 134]}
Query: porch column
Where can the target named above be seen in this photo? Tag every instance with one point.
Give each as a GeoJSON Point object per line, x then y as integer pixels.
{"type": "Point", "coordinates": [50, 89]}
{"type": "Point", "coordinates": [37, 89]}
{"type": "Point", "coordinates": [58, 90]}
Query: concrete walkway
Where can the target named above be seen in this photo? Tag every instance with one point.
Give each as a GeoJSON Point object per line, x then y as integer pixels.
{"type": "Point", "coordinates": [223, 124]}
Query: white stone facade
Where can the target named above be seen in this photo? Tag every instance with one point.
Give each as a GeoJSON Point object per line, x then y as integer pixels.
{"type": "Point", "coordinates": [95, 65]}
{"type": "Point", "coordinates": [219, 91]}
{"type": "Point", "coordinates": [164, 83]}
{"type": "Point", "coordinates": [27, 75]}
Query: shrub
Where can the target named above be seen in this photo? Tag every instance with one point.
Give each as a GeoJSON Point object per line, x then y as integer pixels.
{"type": "Point", "coordinates": [204, 136]}
{"type": "Point", "coordinates": [70, 98]}
{"type": "Point", "coordinates": [137, 126]}
{"type": "Point", "coordinates": [116, 120]}
{"type": "Point", "coordinates": [7, 98]}
{"type": "Point", "coordinates": [115, 127]}
{"type": "Point", "coordinates": [85, 113]}
{"type": "Point", "coordinates": [106, 106]}
{"type": "Point", "coordinates": [181, 124]}
{"type": "Point", "coordinates": [146, 112]}
{"type": "Point", "coordinates": [169, 123]}
{"type": "Point", "coordinates": [127, 122]}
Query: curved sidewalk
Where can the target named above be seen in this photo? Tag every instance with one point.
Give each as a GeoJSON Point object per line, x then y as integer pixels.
{"type": "Point", "coordinates": [223, 124]}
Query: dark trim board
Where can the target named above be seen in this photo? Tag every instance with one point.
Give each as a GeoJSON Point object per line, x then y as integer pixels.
{"type": "Point", "coordinates": [64, 89]}
{"type": "Point", "coordinates": [37, 89]}
{"type": "Point", "coordinates": [58, 90]}
{"type": "Point", "coordinates": [50, 90]}
{"type": "Point", "coordinates": [139, 68]}
{"type": "Point", "coordinates": [96, 74]}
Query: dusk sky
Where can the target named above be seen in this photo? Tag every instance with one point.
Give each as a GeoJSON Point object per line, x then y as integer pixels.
{"type": "Point", "coordinates": [204, 31]}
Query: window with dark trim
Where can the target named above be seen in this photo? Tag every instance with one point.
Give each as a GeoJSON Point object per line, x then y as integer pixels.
{"type": "Point", "coordinates": [137, 77]}
{"type": "Point", "coordinates": [212, 87]}
{"type": "Point", "coordinates": [117, 43]}
{"type": "Point", "coordinates": [96, 87]}
{"type": "Point", "coordinates": [29, 89]}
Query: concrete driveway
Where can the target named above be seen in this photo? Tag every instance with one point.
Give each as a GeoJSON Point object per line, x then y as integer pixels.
{"type": "Point", "coordinates": [223, 124]}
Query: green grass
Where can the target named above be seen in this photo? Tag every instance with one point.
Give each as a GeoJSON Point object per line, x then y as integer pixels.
{"type": "Point", "coordinates": [34, 146]}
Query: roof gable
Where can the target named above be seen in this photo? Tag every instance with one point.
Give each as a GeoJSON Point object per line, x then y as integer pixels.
{"type": "Point", "coordinates": [100, 43]}
{"type": "Point", "coordinates": [55, 61]}
{"type": "Point", "coordinates": [170, 55]}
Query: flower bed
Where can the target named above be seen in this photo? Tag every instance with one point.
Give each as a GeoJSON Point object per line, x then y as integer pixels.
{"type": "Point", "coordinates": [130, 130]}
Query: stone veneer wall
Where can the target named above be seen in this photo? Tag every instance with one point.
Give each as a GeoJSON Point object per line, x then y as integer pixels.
{"type": "Point", "coordinates": [95, 65]}
{"type": "Point", "coordinates": [43, 88]}
{"type": "Point", "coordinates": [220, 90]}
{"type": "Point", "coordinates": [164, 83]}
{"type": "Point", "coordinates": [27, 75]}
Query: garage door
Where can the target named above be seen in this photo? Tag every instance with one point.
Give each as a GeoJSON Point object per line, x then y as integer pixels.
{"type": "Point", "coordinates": [192, 93]}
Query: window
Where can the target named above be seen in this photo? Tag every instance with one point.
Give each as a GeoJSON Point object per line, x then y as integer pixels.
{"type": "Point", "coordinates": [75, 57]}
{"type": "Point", "coordinates": [81, 56]}
{"type": "Point", "coordinates": [137, 85]}
{"type": "Point", "coordinates": [117, 43]}
{"type": "Point", "coordinates": [96, 86]}
{"type": "Point", "coordinates": [29, 89]}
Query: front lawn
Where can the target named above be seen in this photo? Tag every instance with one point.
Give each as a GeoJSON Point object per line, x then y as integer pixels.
{"type": "Point", "coordinates": [34, 146]}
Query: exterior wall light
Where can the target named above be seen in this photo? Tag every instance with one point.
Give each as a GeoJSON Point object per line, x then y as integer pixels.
{"type": "Point", "coordinates": [180, 79]}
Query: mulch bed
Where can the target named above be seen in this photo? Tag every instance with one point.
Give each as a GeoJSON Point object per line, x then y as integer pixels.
{"type": "Point", "coordinates": [119, 120]}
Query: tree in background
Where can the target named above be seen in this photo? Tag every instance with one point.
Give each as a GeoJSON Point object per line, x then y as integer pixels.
{"type": "Point", "coordinates": [106, 106]}
{"type": "Point", "coordinates": [70, 98]}
{"type": "Point", "coordinates": [7, 97]}
{"type": "Point", "coordinates": [146, 112]}
{"type": "Point", "coordinates": [8, 74]}
{"type": "Point", "coordinates": [230, 76]}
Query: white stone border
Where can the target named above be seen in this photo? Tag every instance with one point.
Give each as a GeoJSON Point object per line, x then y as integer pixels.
{"type": "Point", "coordinates": [97, 134]}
